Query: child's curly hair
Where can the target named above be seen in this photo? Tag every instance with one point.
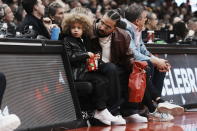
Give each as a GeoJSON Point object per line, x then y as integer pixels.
{"type": "Point", "coordinates": [80, 18]}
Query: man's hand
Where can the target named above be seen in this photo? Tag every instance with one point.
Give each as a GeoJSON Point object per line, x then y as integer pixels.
{"type": "Point", "coordinates": [168, 66]}
{"type": "Point", "coordinates": [91, 54]}
{"type": "Point", "coordinates": [161, 64]}
{"type": "Point", "coordinates": [96, 56]}
{"type": "Point", "coordinates": [48, 24]}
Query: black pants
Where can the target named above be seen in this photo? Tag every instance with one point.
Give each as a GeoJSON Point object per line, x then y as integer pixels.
{"type": "Point", "coordinates": [147, 100]}
{"type": "Point", "coordinates": [2, 86]}
{"type": "Point", "coordinates": [156, 80]}
{"type": "Point", "coordinates": [126, 108]}
{"type": "Point", "coordinates": [111, 71]}
{"type": "Point", "coordinates": [100, 87]}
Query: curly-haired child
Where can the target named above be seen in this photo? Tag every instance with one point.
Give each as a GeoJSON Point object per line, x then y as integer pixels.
{"type": "Point", "coordinates": [77, 27]}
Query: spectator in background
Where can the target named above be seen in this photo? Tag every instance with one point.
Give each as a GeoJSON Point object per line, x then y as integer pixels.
{"type": "Point", "coordinates": [35, 11]}
{"type": "Point", "coordinates": [180, 31]}
{"type": "Point", "coordinates": [56, 12]}
{"type": "Point", "coordinates": [6, 16]}
{"type": "Point", "coordinates": [93, 6]}
{"type": "Point", "coordinates": [84, 3]}
{"type": "Point", "coordinates": [46, 5]}
{"type": "Point", "coordinates": [74, 3]}
{"type": "Point", "coordinates": [192, 27]}
{"type": "Point", "coordinates": [151, 24]}
{"type": "Point", "coordinates": [83, 10]}
{"type": "Point", "coordinates": [17, 10]}
{"type": "Point", "coordinates": [47, 2]}
{"type": "Point", "coordinates": [13, 4]}
{"type": "Point", "coordinates": [19, 15]}
{"type": "Point", "coordinates": [176, 19]}
{"type": "Point", "coordinates": [152, 21]}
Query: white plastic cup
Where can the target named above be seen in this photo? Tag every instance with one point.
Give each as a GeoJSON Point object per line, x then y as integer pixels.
{"type": "Point", "coordinates": [150, 36]}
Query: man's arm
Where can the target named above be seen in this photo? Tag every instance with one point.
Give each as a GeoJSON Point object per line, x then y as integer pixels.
{"type": "Point", "coordinates": [142, 53]}
{"type": "Point", "coordinates": [139, 53]}
{"type": "Point", "coordinates": [162, 64]}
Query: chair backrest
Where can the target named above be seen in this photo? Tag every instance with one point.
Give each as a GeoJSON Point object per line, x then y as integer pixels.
{"type": "Point", "coordinates": [39, 85]}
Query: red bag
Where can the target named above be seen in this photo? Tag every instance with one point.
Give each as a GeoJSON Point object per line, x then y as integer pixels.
{"type": "Point", "coordinates": [92, 64]}
{"type": "Point", "coordinates": [137, 81]}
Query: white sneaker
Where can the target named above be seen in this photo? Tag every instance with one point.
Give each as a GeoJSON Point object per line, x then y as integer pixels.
{"type": "Point", "coordinates": [173, 109]}
{"type": "Point", "coordinates": [158, 116]}
{"type": "Point", "coordinates": [9, 122]}
{"type": "Point", "coordinates": [104, 116]}
{"type": "Point", "coordinates": [136, 118]}
{"type": "Point", "coordinates": [119, 121]}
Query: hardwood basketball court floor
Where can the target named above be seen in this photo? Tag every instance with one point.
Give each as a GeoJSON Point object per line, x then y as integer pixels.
{"type": "Point", "coordinates": [185, 122]}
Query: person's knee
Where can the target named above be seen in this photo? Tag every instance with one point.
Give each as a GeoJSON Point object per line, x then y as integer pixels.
{"type": "Point", "coordinates": [100, 79]}
{"type": "Point", "coordinates": [160, 74]}
{"type": "Point", "coordinates": [110, 67]}
{"type": "Point", "coordinates": [104, 81]}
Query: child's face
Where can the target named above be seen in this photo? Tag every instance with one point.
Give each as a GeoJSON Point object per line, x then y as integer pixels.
{"type": "Point", "coordinates": [76, 30]}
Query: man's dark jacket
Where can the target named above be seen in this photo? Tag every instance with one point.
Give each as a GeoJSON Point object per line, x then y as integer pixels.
{"type": "Point", "coordinates": [120, 52]}
{"type": "Point", "coordinates": [37, 24]}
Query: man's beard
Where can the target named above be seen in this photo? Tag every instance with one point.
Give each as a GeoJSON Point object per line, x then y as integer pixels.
{"type": "Point", "coordinates": [100, 34]}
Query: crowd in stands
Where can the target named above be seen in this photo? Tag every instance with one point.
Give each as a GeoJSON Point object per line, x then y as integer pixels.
{"type": "Point", "coordinates": [163, 15]}
{"type": "Point", "coordinates": [90, 28]}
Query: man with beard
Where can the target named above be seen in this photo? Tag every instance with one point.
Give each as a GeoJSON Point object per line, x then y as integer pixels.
{"type": "Point", "coordinates": [116, 57]}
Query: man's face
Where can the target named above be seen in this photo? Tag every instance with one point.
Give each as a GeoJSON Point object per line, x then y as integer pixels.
{"type": "Point", "coordinates": [140, 22]}
{"type": "Point", "coordinates": [40, 8]}
{"type": "Point", "coordinates": [105, 26]}
{"type": "Point", "coordinates": [59, 15]}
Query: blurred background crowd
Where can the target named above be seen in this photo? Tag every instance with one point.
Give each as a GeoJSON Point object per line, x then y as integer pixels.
{"type": "Point", "coordinates": [164, 16]}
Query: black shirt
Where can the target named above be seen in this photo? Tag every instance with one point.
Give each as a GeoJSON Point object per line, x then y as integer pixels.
{"type": "Point", "coordinates": [37, 24]}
